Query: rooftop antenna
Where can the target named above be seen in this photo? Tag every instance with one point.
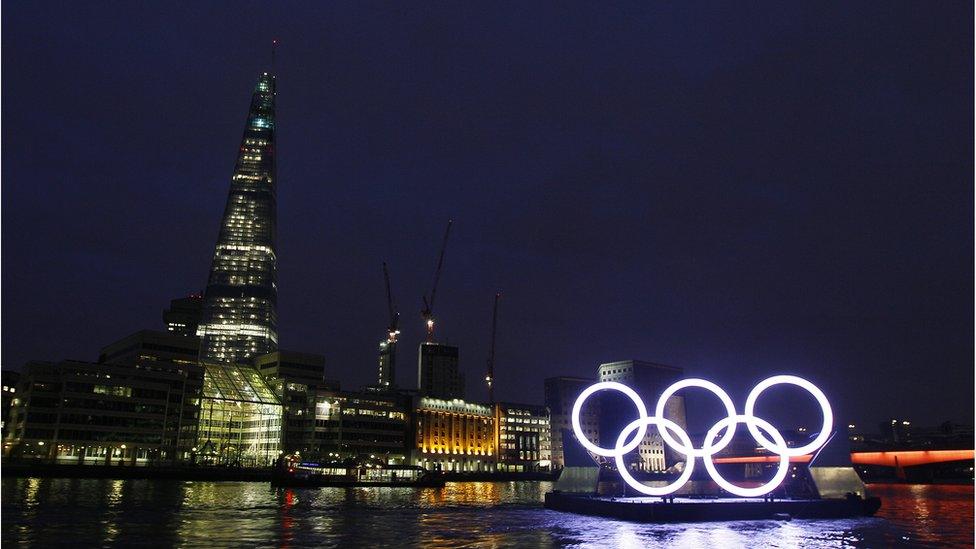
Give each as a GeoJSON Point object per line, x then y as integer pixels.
{"type": "Point", "coordinates": [274, 46]}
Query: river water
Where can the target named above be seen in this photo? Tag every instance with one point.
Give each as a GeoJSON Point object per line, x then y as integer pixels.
{"type": "Point", "coordinates": [126, 513]}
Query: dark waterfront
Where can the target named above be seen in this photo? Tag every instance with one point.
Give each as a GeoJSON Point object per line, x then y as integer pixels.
{"type": "Point", "coordinates": [87, 512]}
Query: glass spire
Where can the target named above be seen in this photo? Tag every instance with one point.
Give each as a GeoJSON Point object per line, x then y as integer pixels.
{"type": "Point", "coordinates": [239, 319]}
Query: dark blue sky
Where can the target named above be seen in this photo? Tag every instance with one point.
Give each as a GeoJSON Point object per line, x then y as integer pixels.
{"type": "Point", "coordinates": [737, 191]}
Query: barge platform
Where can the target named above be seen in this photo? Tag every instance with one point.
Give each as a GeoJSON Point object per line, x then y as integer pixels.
{"type": "Point", "coordinates": [655, 509]}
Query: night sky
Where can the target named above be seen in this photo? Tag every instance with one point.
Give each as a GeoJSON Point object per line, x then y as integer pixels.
{"type": "Point", "coordinates": [737, 191]}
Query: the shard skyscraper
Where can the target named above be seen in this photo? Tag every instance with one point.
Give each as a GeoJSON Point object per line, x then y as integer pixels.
{"type": "Point", "coordinates": [239, 318]}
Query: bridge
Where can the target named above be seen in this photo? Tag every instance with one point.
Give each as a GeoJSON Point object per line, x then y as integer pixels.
{"type": "Point", "coordinates": [895, 458]}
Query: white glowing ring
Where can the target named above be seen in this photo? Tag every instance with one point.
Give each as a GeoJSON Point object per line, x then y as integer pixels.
{"type": "Point", "coordinates": [663, 424]}
{"type": "Point", "coordinates": [828, 416]}
{"type": "Point", "coordinates": [641, 410]}
{"type": "Point", "coordinates": [702, 384]}
{"type": "Point", "coordinates": [709, 447]}
{"type": "Point", "coordinates": [752, 423]}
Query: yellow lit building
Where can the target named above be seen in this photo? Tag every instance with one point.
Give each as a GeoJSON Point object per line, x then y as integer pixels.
{"type": "Point", "coordinates": [454, 435]}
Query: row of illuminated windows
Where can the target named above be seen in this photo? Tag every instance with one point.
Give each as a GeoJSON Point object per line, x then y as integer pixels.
{"type": "Point", "coordinates": [108, 436]}
{"type": "Point", "coordinates": [533, 421]}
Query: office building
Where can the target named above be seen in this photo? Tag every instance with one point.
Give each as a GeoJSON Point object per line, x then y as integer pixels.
{"type": "Point", "coordinates": [239, 316]}
{"type": "Point", "coordinates": [183, 315]}
{"type": "Point", "coordinates": [453, 435]}
{"type": "Point", "coordinates": [294, 377]}
{"type": "Point", "coordinates": [387, 364]}
{"type": "Point", "coordinates": [9, 379]}
{"type": "Point", "coordinates": [152, 346]}
{"type": "Point", "coordinates": [150, 351]}
{"type": "Point", "coordinates": [359, 427]}
{"type": "Point", "coordinates": [560, 395]}
{"type": "Point", "coordinates": [240, 413]}
{"type": "Point", "coordinates": [437, 372]}
{"type": "Point", "coordinates": [293, 367]}
{"type": "Point", "coordinates": [649, 380]}
{"type": "Point", "coordinates": [524, 443]}
{"type": "Point", "coordinates": [95, 413]}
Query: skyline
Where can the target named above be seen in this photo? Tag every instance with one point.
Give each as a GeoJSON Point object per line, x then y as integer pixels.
{"type": "Point", "coordinates": [729, 267]}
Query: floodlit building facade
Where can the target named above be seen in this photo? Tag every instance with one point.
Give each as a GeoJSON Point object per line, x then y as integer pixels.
{"type": "Point", "coordinates": [453, 435]}
{"type": "Point", "coordinates": [239, 317]}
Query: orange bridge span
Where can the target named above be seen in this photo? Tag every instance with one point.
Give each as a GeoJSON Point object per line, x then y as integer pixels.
{"type": "Point", "coordinates": [897, 458]}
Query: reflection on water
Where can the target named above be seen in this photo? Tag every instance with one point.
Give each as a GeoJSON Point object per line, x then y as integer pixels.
{"type": "Point", "coordinates": [87, 512]}
{"type": "Point", "coordinates": [928, 514]}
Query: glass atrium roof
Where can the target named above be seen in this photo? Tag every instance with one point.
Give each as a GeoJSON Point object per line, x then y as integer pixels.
{"type": "Point", "coordinates": [233, 382]}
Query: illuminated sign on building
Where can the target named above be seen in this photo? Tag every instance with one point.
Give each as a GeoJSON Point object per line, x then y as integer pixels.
{"type": "Point", "coordinates": [710, 447]}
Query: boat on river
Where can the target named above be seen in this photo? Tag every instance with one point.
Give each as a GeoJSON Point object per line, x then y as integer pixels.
{"type": "Point", "coordinates": [291, 471]}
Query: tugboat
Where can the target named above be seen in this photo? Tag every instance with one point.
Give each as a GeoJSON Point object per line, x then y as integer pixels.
{"type": "Point", "coordinates": [290, 470]}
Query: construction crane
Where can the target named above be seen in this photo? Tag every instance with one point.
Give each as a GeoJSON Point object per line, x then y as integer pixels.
{"type": "Point", "coordinates": [388, 378]}
{"type": "Point", "coordinates": [394, 327]}
{"type": "Point", "coordinates": [490, 378]}
{"type": "Point", "coordinates": [428, 311]}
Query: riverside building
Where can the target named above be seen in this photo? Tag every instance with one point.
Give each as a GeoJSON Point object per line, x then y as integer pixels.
{"type": "Point", "coordinates": [560, 394]}
{"type": "Point", "coordinates": [240, 418]}
{"type": "Point", "coordinates": [151, 351]}
{"type": "Point", "coordinates": [364, 427]}
{"type": "Point", "coordinates": [96, 413]}
{"type": "Point", "coordinates": [524, 442]}
{"type": "Point", "coordinates": [294, 377]}
{"type": "Point", "coordinates": [649, 380]}
{"type": "Point", "coordinates": [453, 435]}
{"type": "Point", "coordinates": [10, 379]}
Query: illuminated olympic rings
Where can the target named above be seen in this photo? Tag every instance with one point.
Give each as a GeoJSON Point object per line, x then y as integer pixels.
{"type": "Point", "coordinates": [683, 445]}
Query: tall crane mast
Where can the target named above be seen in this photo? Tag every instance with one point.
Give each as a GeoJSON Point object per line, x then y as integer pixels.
{"type": "Point", "coordinates": [428, 311]}
{"type": "Point", "coordinates": [394, 327]}
{"type": "Point", "coordinates": [490, 377]}
{"type": "Point", "coordinates": [387, 377]}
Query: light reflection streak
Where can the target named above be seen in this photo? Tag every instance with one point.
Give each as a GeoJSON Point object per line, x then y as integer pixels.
{"type": "Point", "coordinates": [125, 513]}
